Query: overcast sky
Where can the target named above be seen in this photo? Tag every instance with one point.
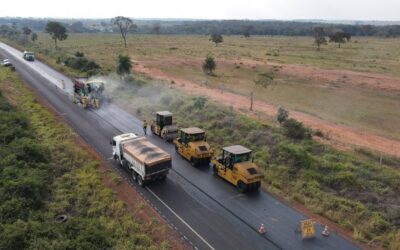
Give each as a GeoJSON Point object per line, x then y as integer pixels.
{"type": "Point", "coordinates": [207, 9]}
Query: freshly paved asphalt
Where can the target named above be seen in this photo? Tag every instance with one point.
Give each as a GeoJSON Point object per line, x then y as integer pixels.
{"type": "Point", "coordinates": [206, 211]}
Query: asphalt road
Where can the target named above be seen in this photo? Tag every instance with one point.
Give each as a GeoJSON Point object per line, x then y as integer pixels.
{"type": "Point", "coordinates": [206, 211]}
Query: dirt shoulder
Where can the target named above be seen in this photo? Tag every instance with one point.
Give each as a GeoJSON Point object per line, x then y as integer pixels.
{"type": "Point", "coordinates": [340, 136]}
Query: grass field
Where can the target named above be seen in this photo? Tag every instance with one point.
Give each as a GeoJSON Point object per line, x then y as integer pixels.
{"type": "Point", "coordinates": [357, 85]}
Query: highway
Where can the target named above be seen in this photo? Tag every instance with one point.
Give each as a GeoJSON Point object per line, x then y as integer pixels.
{"type": "Point", "coordinates": [206, 211]}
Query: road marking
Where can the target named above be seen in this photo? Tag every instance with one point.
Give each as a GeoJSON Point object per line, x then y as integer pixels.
{"type": "Point", "coordinates": [184, 222]}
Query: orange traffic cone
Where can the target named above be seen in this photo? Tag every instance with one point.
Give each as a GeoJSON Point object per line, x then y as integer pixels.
{"type": "Point", "coordinates": [261, 230]}
{"type": "Point", "coordinates": [325, 232]}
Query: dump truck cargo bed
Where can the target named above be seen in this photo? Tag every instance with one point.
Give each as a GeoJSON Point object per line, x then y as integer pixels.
{"type": "Point", "coordinates": [145, 152]}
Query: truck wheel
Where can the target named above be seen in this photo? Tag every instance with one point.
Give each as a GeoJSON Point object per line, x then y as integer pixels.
{"type": "Point", "coordinates": [241, 186]}
{"type": "Point", "coordinates": [125, 164]}
{"type": "Point", "coordinates": [140, 181]}
{"type": "Point", "coordinates": [215, 170]}
{"type": "Point", "coordinates": [176, 148]}
{"type": "Point", "coordinates": [134, 176]}
{"type": "Point", "coordinates": [193, 162]}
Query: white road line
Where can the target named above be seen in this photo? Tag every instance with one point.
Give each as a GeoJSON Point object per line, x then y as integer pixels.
{"type": "Point", "coordinates": [184, 222]}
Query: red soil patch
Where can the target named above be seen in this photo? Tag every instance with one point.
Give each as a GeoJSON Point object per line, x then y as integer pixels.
{"type": "Point", "coordinates": [340, 136]}
{"type": "Point", "coordinates": [348, 77]}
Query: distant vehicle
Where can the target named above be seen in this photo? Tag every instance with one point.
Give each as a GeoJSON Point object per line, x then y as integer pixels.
{"type": "Point", "coordinates": [29, 56]}
{"type": "Point", "coordinates": [7, 63]}
{"type": "Point", "coordinates": [192, 145]}
{"type": "Point", "coordinates": [236, 166]}
{"type": "Point", "coordinates": [163, 126]}
{"type": "Point", "coordinates": [146, 161]}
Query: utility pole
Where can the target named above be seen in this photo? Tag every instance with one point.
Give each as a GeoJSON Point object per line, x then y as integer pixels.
{"type": "Point", "coordinates": [251, 101]}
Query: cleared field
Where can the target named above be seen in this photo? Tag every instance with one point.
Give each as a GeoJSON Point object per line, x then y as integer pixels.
{"type": "Point", "coordinates": [357, 85]}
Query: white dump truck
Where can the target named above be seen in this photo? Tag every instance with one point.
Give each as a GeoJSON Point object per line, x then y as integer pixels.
{"type": "Point", "coordinates": [146, 161]}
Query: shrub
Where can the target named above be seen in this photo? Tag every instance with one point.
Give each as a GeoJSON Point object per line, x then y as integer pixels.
{"type": "Point", "coordinates": [200, 102]}
{"type": "Point", "coordinates": [81, 63]}
{"type": "Point", "coordinates": [209, 65]}
{"type": "Point", "coordinates": [319, 133]}
{"type": "Point", "coordinates": [124, 65]}
{"type": "Point", "coordinates": [282, 115]}
{"type": "Point", "coordinates": [296, 155]}
{"type": "Point", "coordinates": [79, 54]}
{"type": "Point", "coordinates": [265, 79]}
{"type": "Point", "coordinates": [296, 130]}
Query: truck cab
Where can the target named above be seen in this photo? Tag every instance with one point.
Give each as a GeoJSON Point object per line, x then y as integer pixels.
{"type": "Point", "coordinates": [236, 166]}
{"type": "Point", "coordinates": [192, 145]}
{"type": "Point", "coordinates": [116, 144]}
{"type": "Point", "coordinates": [29, 56]}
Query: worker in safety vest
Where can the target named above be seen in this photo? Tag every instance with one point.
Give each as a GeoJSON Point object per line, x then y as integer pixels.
{"type": "Point", "coordinates": [84, 102]}
{"type": "Point", "coordinates": [97, 103]}
{"type": "Point", "coordinates": [145, 127]}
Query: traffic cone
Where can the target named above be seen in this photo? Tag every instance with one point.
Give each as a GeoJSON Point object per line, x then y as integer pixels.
{"type": "Point", "coordinates": [325, 232]}
{"type": "Point", "coordinates": [261, 230]}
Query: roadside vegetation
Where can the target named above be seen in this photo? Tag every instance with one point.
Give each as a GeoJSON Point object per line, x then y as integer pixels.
{"type": "Point", "coordinates": [45, 174]}
{"type": "Point", "coordinates": [359, 194]}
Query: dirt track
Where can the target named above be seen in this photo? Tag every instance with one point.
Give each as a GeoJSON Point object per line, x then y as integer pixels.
{"type": "Point", "coordinates": [340, 136]}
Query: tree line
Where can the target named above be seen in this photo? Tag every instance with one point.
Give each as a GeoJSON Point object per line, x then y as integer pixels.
{"type": "Point", "coordinates": [224, 27]}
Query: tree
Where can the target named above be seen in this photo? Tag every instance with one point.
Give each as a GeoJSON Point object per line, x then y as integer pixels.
{"type": "Point", "coordinates": [124, 25]}
{"type": "Point", "coordinates": [26, 31]}
{"type": "Point", "coordinates": [338, 37]}
{"type": "Point", "coordinates": [247, 29]}
{"type": "Point", "coordinates": [77, 27]}
{"type": "Point", "coordinates": [347, 36]}
{"type": "Point", "coordinates": [319, 37]}
{"type": "Point", "coordinates": [209, 65]}
{"type": "Point", "coordinates": [282, 115]}
{"type": "Point", "coordinates": [216, 38]}
{"type": "Point", "coordinates": [124, 65]}
{"type": "Point", "coordinates": [156, 29]}
{"type": "Point", "coordinates": [57, 31]}
{"type": "Point", "coordinates": [34, 37]}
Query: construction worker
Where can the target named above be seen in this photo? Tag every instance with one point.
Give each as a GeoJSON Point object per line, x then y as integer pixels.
{"type": "Point", "coordinates": [62, 83]}
{"type": "Point", "coordinates": [84, 102]}
{"type": "Point", "coordinates": [96, 102]}
{"type": "Point", "coordinates": [145, 127]}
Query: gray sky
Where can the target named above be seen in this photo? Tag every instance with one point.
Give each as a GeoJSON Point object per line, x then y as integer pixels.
{"type": "Point", "coordinates": [207, 9]}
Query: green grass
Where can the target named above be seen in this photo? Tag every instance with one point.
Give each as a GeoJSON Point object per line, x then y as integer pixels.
{"type": "Point", "coordinates": [44, 173]}
{"type": "Point", "coordinates": [180, 56]}
{"type": "Point", "coordinates": [356, 192]}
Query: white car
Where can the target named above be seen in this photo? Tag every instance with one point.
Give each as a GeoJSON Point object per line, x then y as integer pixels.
{"type": "Point", "coordinates": [6, 63]}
